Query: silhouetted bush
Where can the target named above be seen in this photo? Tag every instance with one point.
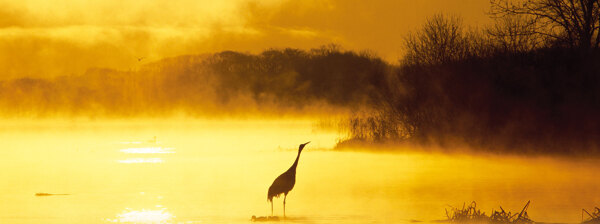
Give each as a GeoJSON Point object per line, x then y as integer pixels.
{"type": "Point", "coordinates": [545, 100]}
{"type": "Point", "coordinates": [503, 90]}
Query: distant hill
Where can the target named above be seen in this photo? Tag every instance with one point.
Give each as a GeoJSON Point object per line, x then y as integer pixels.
{"type": "Point", "coordinates": [225, 82]}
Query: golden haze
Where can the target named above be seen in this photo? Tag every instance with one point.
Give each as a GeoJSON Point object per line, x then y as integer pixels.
{"type": "Point", "coordinates": [182, 169]}
{"type": "Point", "coordinates": [53, 38]}
{"type": "Point", "coordinates": [218, 171]}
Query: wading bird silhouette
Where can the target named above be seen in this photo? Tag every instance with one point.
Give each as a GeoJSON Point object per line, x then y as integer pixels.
{"type": "Point", "coordinates": [284, 183]}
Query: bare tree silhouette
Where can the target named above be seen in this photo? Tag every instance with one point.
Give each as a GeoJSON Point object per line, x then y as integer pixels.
{"type": "Point", "coordinates": [572, 22]}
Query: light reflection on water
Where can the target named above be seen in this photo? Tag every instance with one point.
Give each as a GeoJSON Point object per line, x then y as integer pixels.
{"type": "Point", "coordinates": [150, 216]}
{"type": "Point", "coordinates": [153, 150]}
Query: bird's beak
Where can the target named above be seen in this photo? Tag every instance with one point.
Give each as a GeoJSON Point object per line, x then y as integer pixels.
{"type": "Point", "coordinates": [306, 143]}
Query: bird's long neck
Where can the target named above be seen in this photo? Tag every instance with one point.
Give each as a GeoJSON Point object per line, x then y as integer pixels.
{"type": "Point", "coordinates": [293, 167]}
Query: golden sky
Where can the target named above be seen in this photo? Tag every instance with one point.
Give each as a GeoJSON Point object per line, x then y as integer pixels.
{"type": "Point", "coordinates": [46, 38]}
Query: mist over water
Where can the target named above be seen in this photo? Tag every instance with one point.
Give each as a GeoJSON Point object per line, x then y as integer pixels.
{"type": "Point", "coordinates": [168, 112]}
{"type": "Point", "coordinates": [218, 171]}
{"type": "Point", "coordinates": [290, 81]}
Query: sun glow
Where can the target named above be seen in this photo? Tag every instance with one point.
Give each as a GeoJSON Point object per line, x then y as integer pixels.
{"type": "Point", "coordinates": [143, 216]}
{"type": "Point", "coordinates": [37, 37]}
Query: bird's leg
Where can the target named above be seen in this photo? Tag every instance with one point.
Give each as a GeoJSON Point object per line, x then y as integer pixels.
{"type": "Point", "coordinates": [271, 207]}
{"type": "Point", "coordinates": [284, 205]}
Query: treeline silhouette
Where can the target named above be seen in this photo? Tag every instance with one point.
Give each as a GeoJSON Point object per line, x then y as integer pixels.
{"type": "Point", "coordinates": [273, 81]}
{"type": "Point", "coordinates": [520, 85]}
{"type": "Point", "coordinates": [504, 88]}
{"type": "Point", "coordinates": [547, 100]}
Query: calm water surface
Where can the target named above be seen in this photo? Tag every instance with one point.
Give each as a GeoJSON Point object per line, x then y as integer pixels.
{"type": "Point", "coordinates": [203, 171]}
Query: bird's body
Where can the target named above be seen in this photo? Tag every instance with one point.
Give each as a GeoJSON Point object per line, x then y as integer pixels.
{"type": "Point", "coordinates": [285, 182]}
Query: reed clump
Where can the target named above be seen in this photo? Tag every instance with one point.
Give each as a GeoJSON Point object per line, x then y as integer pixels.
{"type": "Point", "coordinates": [470, 214]}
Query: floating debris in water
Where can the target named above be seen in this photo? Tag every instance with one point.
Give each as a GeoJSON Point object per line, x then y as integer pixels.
{"type": "Point", "coordinates": [47, 194]}
{"type": "Point", "coordinates": [471, 214]}
{"type": "Point", "coordinates": [467, 214]}
{"type": "Point", "coordinates": [506, 217]}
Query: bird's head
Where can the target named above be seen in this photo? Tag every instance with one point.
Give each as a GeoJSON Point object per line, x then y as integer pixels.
{"type": "Point", "coordinates": [302, 146]}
